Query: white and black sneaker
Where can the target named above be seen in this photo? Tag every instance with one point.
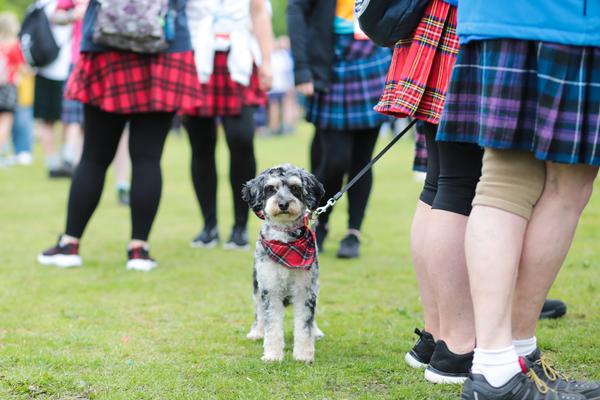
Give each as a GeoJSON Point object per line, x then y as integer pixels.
{"type": "Point", "coordinates": [208, 238]}
{"type": "Point", "coordinates": [61, 255]}
{"type": "Point", "coordinates": [139, 259]}
{"type": "Point", "coordinates": [420, 355]}
{"type": "Point", "coordinates": [446, 367]}
{"type": "Point", "coordinates": [238, 239]}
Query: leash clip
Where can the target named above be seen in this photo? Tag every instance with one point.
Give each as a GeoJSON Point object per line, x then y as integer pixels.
{"type": "Point", "coordinates": [330, 203]}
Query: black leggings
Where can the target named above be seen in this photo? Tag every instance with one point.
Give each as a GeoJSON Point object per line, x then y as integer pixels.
{"type": "Point", "coordinates": [102, 132]}
{"type": "Point", "coordinates": [341, 153]}
{"type": "Point", "coordinates": [453, 170]}
{"type": "Point", "coordinates": [239, 133]}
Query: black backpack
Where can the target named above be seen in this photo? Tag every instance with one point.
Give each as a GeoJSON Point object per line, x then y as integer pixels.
{"type": "Point", "coordinates": [37, 41]}
{"type": "Point", "coordinates": [385, 22]}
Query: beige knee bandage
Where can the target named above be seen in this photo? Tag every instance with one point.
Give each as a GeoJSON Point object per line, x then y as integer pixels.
{"type": "Point", "coordinates": [511, 180]}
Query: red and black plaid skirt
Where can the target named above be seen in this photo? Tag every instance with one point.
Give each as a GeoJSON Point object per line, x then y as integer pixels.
{"type": "Point", "coordinates": [128, 83]}
{"type": "Point", "coordinates": [221, 96]}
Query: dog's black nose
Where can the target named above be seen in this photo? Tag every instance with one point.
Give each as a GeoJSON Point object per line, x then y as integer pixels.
{"type": "Point", "coordinates": [284, 206]}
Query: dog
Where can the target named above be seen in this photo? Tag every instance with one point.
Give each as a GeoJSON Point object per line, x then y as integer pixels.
{"type": "Point", "coordinates": [286, 269]}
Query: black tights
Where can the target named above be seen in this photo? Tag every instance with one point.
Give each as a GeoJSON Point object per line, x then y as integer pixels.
{"type": "Point", "coordinates": [453, 170]}
{"type": "Point", "coordinates": [239, 133]}
{"type": "Point", "coordinates": [335, 154]}
{"type": "Point", "coordinates": [102, 132]}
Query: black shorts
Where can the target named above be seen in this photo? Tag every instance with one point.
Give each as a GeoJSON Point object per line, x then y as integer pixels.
{"type": "Point", "coordinates": [48, 99]}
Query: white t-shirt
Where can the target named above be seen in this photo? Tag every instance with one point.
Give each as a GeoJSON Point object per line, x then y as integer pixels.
{"type": "Point", "coordinates": [58, 70]}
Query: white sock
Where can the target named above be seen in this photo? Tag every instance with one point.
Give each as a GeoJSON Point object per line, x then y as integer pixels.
{"type": "Point", "coordinates": [497, 366]}
{"type": "Point", "coordinates": [526, 346]}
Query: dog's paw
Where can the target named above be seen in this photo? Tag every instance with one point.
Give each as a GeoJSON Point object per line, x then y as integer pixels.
{"type": "Point", "coordinates": [271, 357]}
{"type": "Point", "coordinates": [255, 334]}
{"type": "Point", "coordinates": [307, 357]}
{"type": "Point", "coordinates": [318, 333]}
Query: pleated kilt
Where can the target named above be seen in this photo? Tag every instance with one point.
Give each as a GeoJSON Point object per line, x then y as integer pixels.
{"type": "Point", "coordinates": [128, 83]}
{"type": "Point", "coordinates": [221, 96]}
{"type": "Point", "coordinates": [358, 78]}
{"type": "Point", "coordinates": [526, 95]}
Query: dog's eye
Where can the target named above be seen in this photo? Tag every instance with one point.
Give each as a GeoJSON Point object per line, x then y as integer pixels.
{"type": "Point", "coordinates": [296, 190]}
{"type": "Point", "coordinates": [269, 189]}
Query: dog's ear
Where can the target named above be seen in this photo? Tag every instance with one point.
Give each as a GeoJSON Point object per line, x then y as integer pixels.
{"type": "Point", "coordinates": [252, 193]}
{"type": "Point", "coordinates": [313, 190]}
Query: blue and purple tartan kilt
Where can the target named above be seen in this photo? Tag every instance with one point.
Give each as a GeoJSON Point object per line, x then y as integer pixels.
{"type": "Point", "coordinates": [526, 95]}
{"type": "Point", "coordinates": [72, 112]}
{"type": "Point", "coordinates": [359, 72]}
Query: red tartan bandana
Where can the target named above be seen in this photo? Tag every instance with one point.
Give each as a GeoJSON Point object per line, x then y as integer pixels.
{"type": "Point", "coordinates": [301, 253]}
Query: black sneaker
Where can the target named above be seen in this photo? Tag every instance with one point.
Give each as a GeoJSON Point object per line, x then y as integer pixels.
{"type": "Point", "coordinates": [62, 256]}
{"type": "Point", "coordinates": [520, 387]}
{"type": "Point", "coordinates": [447, 367]}
{"type": "Point", "coordinates": [420, 355]}
{"type": "Point", "coordinates": [238, 239]}
{"type": "Point", "coordinates": [349, 247]}
{"type": "Point", "coordinates": [553, 309]}
{"type": "Point", "coordinates": [321, 231]}
{"type": "Point", "coordinates": [555, 380]}
{"type": "Point", "coordinates": [209, 237]}
{"type": "Point", "coordinates": [139, 259]}
{"type": "Point", "coordinates": [123, 196]}
{"type": "Point", "coordinates": [64, 171]}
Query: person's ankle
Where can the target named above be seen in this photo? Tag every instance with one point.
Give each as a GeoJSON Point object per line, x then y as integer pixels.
{"type": "Point", "coordinates": [136, 243]}
{"type": "Point", "coordinates": [498, 366]}
{"type": "Point", "coordinates": [354, 232]}
{"type": "Point", "coordinates": [459, 345]}
{"type": "Point", "coordinates": [67, 239]}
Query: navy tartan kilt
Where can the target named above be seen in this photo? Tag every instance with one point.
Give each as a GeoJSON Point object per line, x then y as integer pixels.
{"type": "Point", "coordinates": [526, 95]}
{"type": "Point", "coordinates": [359, 72]}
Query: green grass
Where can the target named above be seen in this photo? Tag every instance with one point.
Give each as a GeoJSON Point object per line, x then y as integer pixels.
{"type": "Point", "coordinates": [101, 332]}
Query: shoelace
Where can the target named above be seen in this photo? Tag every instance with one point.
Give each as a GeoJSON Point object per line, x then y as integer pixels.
{"type": "Point", "coordinates": [542, 387]}
{"type": "Point", "coordinates": [550, 372]}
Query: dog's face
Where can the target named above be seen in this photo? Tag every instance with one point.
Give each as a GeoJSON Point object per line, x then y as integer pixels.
{"type": "Point", "coordinates": [283, 193]}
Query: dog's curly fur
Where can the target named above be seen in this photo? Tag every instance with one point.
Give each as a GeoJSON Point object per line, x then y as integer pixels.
{"type": "Point", "coordinates": [284, 194]}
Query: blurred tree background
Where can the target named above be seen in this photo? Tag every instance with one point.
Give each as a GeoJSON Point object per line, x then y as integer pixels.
{"type": "Point", "coordinates": [279, 24]}
{"type": "Point", "coordinates": [17, 6]}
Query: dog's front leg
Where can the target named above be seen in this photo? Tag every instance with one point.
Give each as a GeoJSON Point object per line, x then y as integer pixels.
{"type": "Point", "coordinates": [273, 312]}
{"type": "Point", "coordinates": [257, 331]}
{"type": "Point", "coordinates": [304, 324]}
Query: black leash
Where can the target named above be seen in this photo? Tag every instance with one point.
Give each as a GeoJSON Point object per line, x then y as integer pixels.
{"type": "Point", "coordinates": [331, 202]}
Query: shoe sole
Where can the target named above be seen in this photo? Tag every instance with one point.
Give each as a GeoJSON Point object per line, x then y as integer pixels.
{"type": "Point", "coordinates": [413, 362]}
{"type": "Point", "coordinates": [233, 246]}
{"type": "Point", "coordinates": [555, 313]}
{"type": "Point", "coordinates": [346, 256]}
{"type": "Point", "coordinates": [434, 376]}
{"type": "Point", "coordinates": [140, 265]}
{"type": "Point", "coordinates": [60, 260]}
{"type": "Point", "coordinates": [202, 245]}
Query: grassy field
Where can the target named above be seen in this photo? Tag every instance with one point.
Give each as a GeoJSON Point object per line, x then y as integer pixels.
{"type": "Point", "coordinates": [101, 332]}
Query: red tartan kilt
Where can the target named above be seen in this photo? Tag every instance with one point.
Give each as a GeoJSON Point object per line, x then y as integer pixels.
{"type": "Point", "coordinates": [221, 96]}
{"type": "Point", "coordinates": [127, 83]}
{"type": "Point", "coordinates": [420, 70]}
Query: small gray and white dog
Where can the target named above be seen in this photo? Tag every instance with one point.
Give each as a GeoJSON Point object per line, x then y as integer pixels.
{"type": "Point", "coordinates": [282, 196]}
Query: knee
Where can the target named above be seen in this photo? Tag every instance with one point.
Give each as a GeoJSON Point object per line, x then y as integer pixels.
{"type": "Point", "coordinates": [511, 180]}
{"type": "Point", "coordinates": [572, 185]}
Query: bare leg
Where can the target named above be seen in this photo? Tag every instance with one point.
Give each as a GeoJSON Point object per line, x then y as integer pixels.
{"type": "Point", "coordinates": [566, 193]}
{"type": "Point", "coordinates": [6, 120]}
{"type": "Point", "coordinates": [122, 162]}
{"type": "Point", "coordinates": [419, 255]}
{"type": "Point", "coordinates": [447, 269]}
{"type": "Point", "coordinates": [493, 243]}
{"type": "Point", "coordinates": [73, 143]}
{"type": "Point", "coordinates": [45, 132]}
